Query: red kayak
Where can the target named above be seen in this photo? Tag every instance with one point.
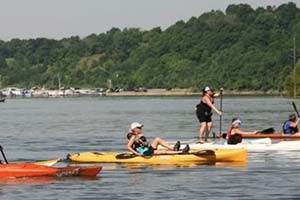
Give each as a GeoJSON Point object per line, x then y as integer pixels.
{"type": "Point", "coordinates": [272, 135]}
{"type": "Point", "coordinates": [30, 170]}
{"type": "Point", "coordinates": [89, 171]}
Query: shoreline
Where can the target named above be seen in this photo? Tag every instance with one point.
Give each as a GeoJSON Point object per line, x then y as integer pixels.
{"type": "Point", "coordinates": [43, 93]}
{"type": "Point", "coordinates": [188, 92]}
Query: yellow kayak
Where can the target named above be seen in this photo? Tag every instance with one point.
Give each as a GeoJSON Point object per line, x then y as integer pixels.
{"type": "Point", "coordinates": [216, 155]}
{"type": "Point", "coordinates": [48, 162]}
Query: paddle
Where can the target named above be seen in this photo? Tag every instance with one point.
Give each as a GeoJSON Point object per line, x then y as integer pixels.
{"type": "Point", "coordinates": [204, 153]}
{"type": "Point", "coordinates": [267, 131]}
{"type": "Point", "coordinates": [3, 155]}
{"type": "Point", "coordinates": [295, 108]}
{"type": "Point", "coordinates": [198, 153]}
{"type": "Point", "coordinates": [125, 156]}
{"type": "Point", "coordinates": [221, 109]}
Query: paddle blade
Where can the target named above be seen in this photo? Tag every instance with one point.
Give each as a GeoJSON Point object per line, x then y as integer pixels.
{"type": "Point", "coordinates": [224, 135]}
{"type": "Point", "coordinates": [125, 156]}
{"type": "Point", "coordinates": [204, 153]}
{"type": "Point", "coordinates": [268, 131]}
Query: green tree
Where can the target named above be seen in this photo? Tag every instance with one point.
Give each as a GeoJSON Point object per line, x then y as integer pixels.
{"type": "Point", "coordinates": [293, 79]}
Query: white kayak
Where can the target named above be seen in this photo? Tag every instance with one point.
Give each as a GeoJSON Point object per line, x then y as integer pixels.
{"type": "Point", "coordinates": [252, 145]}
{"type": "Point", "coordinates": [257, 141]}
{"type": "Point", "coordinates": [222, 141]}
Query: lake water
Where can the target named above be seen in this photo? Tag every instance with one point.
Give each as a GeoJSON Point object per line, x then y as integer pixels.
{"type": "Point", "coordinates": [38, 129]}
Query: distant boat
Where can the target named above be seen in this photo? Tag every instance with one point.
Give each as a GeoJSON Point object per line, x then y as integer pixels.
{"type": "Point", "coordinates": [2, 100]}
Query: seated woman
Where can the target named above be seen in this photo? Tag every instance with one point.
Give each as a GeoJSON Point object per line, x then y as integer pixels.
{"type": "Point", "coordinates": [234, 134]}
{"type": "Point", "coordinates": [290, 126]}
{"type": "Point", "coordinates": [138, 145]}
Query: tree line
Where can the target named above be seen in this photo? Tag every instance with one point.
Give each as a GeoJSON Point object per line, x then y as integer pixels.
{"type": "Point", "coordinates": [239, 49]}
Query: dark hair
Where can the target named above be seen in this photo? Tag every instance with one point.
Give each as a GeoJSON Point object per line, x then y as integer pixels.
{"type": "Point", "coordinates": [129, 135]}
{"type": "Point", "coordinates": [233, 119]}
{"type": "Point", "coordinates": [292, 117]}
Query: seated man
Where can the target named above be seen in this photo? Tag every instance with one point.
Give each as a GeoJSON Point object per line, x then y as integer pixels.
{"type": "Point", "coordinates": [290, 126]}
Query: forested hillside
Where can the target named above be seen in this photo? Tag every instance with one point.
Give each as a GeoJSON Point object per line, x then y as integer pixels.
{"type": "Point", "coordinates": [241, 49]}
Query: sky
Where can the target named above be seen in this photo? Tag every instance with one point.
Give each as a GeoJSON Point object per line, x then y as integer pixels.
{"type": "Point", "coordinates": [58, 19]}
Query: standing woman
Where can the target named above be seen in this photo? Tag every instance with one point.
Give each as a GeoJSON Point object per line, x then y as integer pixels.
{"type": "Point", "coordinates": [203, 111]}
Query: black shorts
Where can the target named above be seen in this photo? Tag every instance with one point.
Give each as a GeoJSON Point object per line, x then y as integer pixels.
{"type": "Point", "coordinates": [203, 116]}
{"type": "Point", "coordinates": [149, 152]}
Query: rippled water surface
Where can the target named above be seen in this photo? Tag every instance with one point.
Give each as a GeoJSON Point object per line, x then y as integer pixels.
{"type": "Point", "coordinates": [37, 129]}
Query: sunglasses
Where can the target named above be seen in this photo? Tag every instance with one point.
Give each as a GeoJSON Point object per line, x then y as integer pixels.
{"type": "Point", "coordinates": [139, 127]}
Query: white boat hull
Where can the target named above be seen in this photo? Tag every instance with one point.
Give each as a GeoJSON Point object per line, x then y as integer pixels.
{"type": "Point", "coordinates": [252, 147]}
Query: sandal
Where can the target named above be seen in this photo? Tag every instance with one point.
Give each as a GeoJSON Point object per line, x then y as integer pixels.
{"type": "Point", "coordinates": [186, 149]}
{"type": "Point", "coordinates": [176, 146]}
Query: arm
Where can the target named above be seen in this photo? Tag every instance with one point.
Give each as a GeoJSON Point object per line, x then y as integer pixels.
{"type": "Point", "coordinates": [129, 146]}
{"type": "Point", "coordinates": [295, 124]}
{"type": "Point", "coordinates": [210, 104]}
{"type": "Point", "coordinates": [217, 92]}
{"type": "Point", "coordinates": [239, 131]}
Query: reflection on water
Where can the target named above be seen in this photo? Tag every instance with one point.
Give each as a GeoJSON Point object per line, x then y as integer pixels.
{"type": "Point", "coordinates": [43, 180]}
{"type": "Point", "coordinates": [164, 166]}
{"type": "Point", "coordinates": [41, 129]}
{"type": "Point", "coordinates": [28, 180]}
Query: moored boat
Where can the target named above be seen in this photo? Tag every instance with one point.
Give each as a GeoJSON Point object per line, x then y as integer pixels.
{"type": "Point", "coordinates": [216, 155]}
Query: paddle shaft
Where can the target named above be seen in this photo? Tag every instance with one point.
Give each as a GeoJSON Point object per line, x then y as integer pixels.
{"type": "Point", "coordinates": [198, 153]}
{"type": "Point", "coordinates": [295, 108]}
{"type": "Point", "coordinates": [3, 155]}
{"type": "Point", "coordinates": [221, 109]}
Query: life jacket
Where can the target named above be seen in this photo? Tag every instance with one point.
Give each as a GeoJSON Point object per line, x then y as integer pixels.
{"type": "Point", "coordinates": [233, 139]}
{"type": "Point", "coordinates": [288, 129]}
{"type": "Point", "coordinates": [229, 133]}
{"type": "Point", "coordinates": [138, 141]}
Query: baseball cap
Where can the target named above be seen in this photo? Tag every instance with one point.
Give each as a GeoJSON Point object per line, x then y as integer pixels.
{"type": "Point", "coordinates": [206, 89]}
{"type": "Point", "coordinates": [237, 121]}
{"type": "Point", "coordinates": [136, 125]}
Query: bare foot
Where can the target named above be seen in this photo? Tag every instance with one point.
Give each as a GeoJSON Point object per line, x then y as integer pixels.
{"type": "Point", "coordinates": [208, 141]}
{"type": "Point", "coordinates": [200, 142]}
